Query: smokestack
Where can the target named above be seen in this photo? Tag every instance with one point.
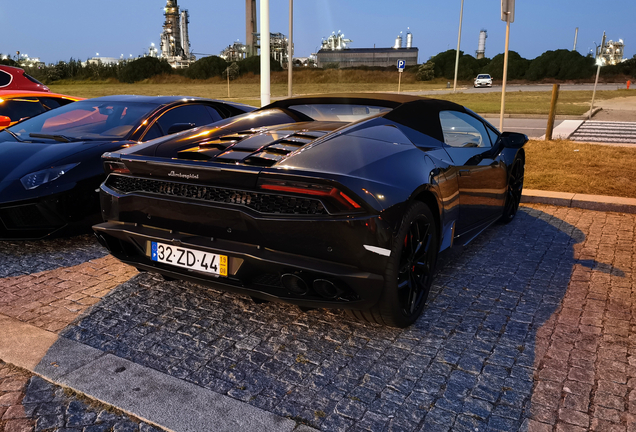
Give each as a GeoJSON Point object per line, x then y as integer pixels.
{"type": "Point", "coordinates": [250, 26]}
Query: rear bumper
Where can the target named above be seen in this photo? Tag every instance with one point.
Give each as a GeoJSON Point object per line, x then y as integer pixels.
{"type": "Point", "coordinates": [349, 251]}
{"type": "Point", "coordinates": [252, 270]}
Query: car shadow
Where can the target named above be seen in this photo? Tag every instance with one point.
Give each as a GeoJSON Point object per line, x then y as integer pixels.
{"type": "Point", "coordinates": [469, 362]}
{"type": "Point", "coordinates": [19, 257]}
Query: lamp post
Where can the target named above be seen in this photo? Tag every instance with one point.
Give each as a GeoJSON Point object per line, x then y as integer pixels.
{"type": "Point", "coordinates": [507, 15]}
{"type": "Point", "coordinates": [599, 62]}
{"type": "Point", "coordinates": [290, 49]}
{"type": "Point", "coordinates": [265, 59]}
{"type": "Point", "coordinates": [459, 39]}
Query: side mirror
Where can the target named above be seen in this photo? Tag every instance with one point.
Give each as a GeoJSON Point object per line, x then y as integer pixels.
{"type": "Point", "coordinates": [178, 127]}
{"type": "Point", "coordinates": [5, 121]}
{"type": "Point", "coordinates": [513, 139]}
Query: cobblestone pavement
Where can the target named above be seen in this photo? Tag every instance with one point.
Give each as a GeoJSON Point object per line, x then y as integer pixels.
{"type": "Point", "coordinates": [530, 327]}
{"type": "Point", "coordinates": [52, 299]}
{"type": "Point", "coordinates": [26, 257]}
{"type": "Point", "coordinates": [29, 403]}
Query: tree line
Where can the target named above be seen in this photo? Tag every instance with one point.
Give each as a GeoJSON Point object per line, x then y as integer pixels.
{"type": "Point", "coordinates": [558, 64]}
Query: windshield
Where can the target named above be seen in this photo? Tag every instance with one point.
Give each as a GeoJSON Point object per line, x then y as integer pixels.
{"type": "Point", "coordinates": [483, 76]}
{"type": "Point", "coordinates": [339, 112]}
{"type": "Point", "coordinates": [86, 120]}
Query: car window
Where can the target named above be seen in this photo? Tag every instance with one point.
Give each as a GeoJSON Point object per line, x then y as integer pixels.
{"type": "Point", "coordinates": [214, 113]}
{"type": "Point", "coordinates": [17, 109]}
{"type": "Point", "coordinates": [5, 78]}
{"type": "Point", "coordinates": [339, 112]}
{"type": "Point", "coordinates": [494, 136]}
{"type": "Point", "coordinates": [193, 113]}
{"type": "Point", "coordinates": [87, 120]}
{"type": "Point", "coordinates": [463, 130]}
{"type": "Point", "coordinates": [50, 103]}
{"type": "Point", "coordinates": [30, 78]}
{"type": "Point", "coordinates": [153, 132]}
{"type": "Point", "coordinates": [483, 76]}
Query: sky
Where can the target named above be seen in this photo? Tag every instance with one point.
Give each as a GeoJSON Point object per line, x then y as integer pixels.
{"type": "Point", "coordinates": [61, 29]}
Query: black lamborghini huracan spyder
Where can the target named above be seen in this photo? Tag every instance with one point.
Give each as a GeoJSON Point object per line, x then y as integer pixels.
{"type": "Point", "coordinates": [340, 201]}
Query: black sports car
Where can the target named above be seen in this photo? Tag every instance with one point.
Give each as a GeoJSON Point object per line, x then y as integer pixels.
{"type": "Point", "coordinates": [339, 201]}
{"type": "Point", "coordinates": [50, 165]}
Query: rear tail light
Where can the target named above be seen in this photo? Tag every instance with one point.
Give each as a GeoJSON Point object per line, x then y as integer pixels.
{"type": "Point", "coordinates": [115, 167]}
{"type": "Point", "coordinates": [343, 201]}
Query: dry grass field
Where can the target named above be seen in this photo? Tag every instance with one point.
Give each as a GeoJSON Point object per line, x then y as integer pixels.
{"type": "Point", "coordinates": [568, 166]}
{"type": "Point", "coordinates": [246, 89]}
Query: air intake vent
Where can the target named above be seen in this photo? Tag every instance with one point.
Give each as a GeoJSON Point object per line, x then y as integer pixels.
{"type": "Point", "coordinates": [261, 202]}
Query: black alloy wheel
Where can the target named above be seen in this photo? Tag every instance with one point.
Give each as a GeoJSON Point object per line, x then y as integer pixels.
{"type": "Point", "coordinates": [515, 188]}
{"type": "Point", "coordinates": [414, 274]}
{"type": "Point", "coordinates": [409, 271]}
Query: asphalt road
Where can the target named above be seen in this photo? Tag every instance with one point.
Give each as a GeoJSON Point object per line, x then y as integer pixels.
{"type": "Point", "coordinates": [534, 128]}
{"type": "Point", "coordinates": [524, 88]}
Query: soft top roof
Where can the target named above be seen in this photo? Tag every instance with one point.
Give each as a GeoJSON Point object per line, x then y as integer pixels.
{"type": "Point", "coordinates": [419, 113]}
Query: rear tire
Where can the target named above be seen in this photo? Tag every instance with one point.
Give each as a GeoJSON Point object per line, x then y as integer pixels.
{"type": "Point", "coordinates": [515, 188]}
{"type": "Point", "coordinates": [409, 272]}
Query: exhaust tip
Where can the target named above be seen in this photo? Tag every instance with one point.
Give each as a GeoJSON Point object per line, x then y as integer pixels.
{"type": "Point", "coordinates": [327, 289]}
{"type": "Point", "coordinates": [294, 283]}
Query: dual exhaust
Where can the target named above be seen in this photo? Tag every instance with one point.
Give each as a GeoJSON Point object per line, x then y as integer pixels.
{"type": "Point", "coordinates": [299, 286]}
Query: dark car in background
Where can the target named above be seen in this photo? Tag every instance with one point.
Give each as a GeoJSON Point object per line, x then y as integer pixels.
{"type": "Point", "coordinates": [339, 201]}
{"type": "Point", "coordinates": [50, 165]}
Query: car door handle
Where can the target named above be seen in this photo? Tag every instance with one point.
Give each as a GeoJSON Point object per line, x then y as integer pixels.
{"type": "Point", "coordinates": [464, 173]}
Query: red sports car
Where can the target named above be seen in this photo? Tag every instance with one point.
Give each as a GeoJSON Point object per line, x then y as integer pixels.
{"type": "Point", "coordinates": [14, 78]}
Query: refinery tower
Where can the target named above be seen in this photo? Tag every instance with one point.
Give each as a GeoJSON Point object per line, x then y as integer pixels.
{"type": "Point", "coordinates": [175, 42]}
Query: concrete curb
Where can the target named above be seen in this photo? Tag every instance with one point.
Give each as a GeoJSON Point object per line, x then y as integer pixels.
{"type": "Point", "coordinates": [151, 396]}
{"type": "Point", "coordinates": [582, 201]}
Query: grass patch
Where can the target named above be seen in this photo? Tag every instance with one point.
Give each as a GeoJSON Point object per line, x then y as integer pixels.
{"type": "Point", "coordinates": [567, 166]}
{"type": "Point", "coordinates": [246, 89]}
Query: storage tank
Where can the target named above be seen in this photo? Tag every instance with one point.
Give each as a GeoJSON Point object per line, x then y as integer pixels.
{"type": "Point", "coordinates": [398, 41]}
{"type": "Point", "coordinates": [481, 47]}
{"type": "Point", "coordinates": [409, 39]}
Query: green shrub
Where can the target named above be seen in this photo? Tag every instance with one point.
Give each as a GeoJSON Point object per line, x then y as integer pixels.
{"type": "Point", "coordinates": [143, 68]}
{"type": "Point", "coordinates": [560, 64]}
{"type": "Point", "coordinates": [426, 72]}
{"type": "Point", "coordinates": [253, 64]}
{"type": "Point", "coordinates": [517, 66]}
{"type": "Point", "coordinates": [206, 67]}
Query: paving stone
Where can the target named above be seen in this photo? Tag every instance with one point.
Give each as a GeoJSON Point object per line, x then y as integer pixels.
{"type": "Point", "coordinates": [558, 284]}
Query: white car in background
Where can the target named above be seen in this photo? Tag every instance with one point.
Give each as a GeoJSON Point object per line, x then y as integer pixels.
{"type": "Point", "coordinates": [483, 80]}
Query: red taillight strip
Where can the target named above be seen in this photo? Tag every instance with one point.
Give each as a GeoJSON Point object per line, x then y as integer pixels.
{"type": "Point", "coordinates": [350, 201]}
{"type": "Point", "coordinates": [299, 190]}
{"type": "Point", "coordinates": [334, 193]}
{"type": "Point", "coordinates": [116, 167]}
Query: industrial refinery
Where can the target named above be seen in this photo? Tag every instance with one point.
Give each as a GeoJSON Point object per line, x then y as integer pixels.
{"type": "Point", "coordinates": [611, 53]}
{"type": "Point", "coordinates": [175, 41]}
{"type": "Point", "coordinates": [335, 50]}
{"type": "Point", "coordinates": [238, 51]}
{"type": "Point", "coordinates": [481, 46]}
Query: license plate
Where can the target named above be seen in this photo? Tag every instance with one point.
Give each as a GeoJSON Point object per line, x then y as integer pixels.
{"type": "Point", "coordinates": [189, 258]}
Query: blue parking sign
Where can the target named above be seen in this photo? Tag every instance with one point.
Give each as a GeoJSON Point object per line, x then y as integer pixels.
{"type": "Point", "coordinates": [401, 65]}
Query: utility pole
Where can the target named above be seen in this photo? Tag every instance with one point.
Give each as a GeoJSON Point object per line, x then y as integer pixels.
{"type": "Point", "coordinates": [507, 15]}
{"type": "Point", "coordinates": [265, 55]}
{"type": "Point", "coordinates": [599, 62]}
{"type": "Point", "coordinates": [459, 39]}
{"type": "Point", "coordinates": [290, 49]}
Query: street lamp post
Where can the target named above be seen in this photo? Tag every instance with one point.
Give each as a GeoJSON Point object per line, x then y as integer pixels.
{"type": "Point", "coordinates": [290, 49]}
{"type": "Point", "coordinates": [459, 39]}
{"type": "Point", "coordinates": [265, 59]}
{"type": "Point", "coordinates": [599, 62]}
{"type": "Point", "coordinates": [507, 15]}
